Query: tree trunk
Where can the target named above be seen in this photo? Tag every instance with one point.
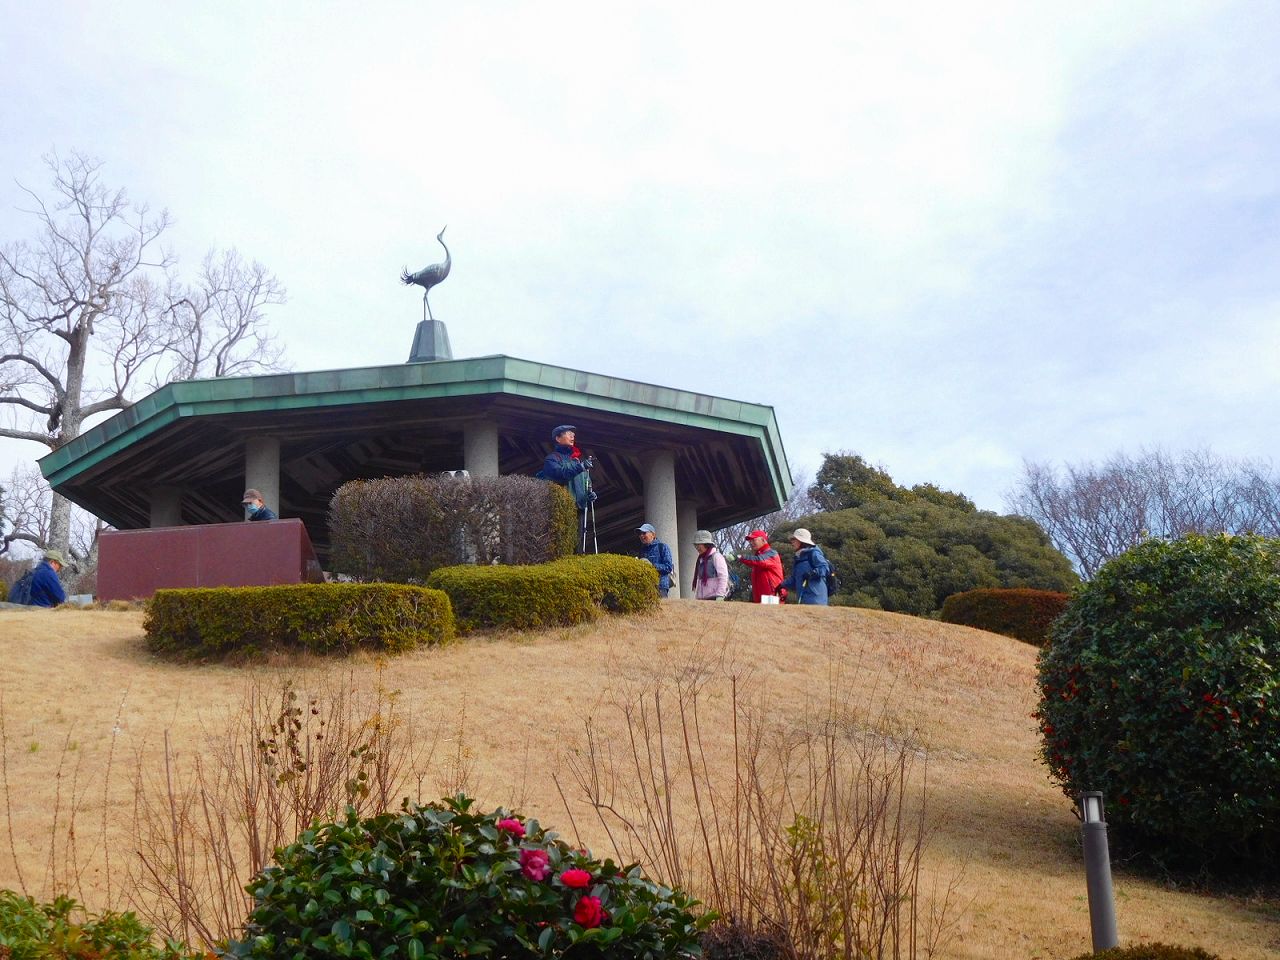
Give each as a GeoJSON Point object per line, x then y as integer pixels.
{"type": "Point", "coordinates": [60, 524]}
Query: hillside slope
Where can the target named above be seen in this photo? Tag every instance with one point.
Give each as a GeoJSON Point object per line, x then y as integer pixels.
{"type": "Point", "coordinates": [506, 713]}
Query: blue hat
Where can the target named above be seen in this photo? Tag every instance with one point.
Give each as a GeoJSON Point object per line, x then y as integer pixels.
{"type": "Point", "coordinates": [562, 428]}
{"type": "Point", "coordinates": [646, 528]}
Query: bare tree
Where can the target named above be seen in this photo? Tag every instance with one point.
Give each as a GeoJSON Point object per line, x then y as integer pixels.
{"type": "Point", "coordinates": [800, 504]}
{"type": "Point", "coordinates": [1095, 512]}
{"type": "Point", "coordinates": [92, 311]}
{"type": "Point", "coordinates": [27, 498]}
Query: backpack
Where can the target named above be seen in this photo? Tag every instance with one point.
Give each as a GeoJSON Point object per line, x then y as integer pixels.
{"type": "Point", "coordinates": [20, 592]}
{"type": "Point", "coordinates": [831, 579]}
{"type": "Point", "coordinates": [734, 582]}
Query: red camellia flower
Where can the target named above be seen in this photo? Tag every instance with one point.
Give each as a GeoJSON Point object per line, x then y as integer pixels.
{"type": "Point", "coordinates": [535, 864]}
{"type": "Point", "coordinates": [512, 825]}
{"type": "Point", "coordinates": [576, 878]}
{"type": "Point", "coordinates": [588, 913]}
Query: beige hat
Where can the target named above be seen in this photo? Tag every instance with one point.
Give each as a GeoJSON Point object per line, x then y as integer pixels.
{"type": "Point", "coordinates": [704, 536]}
{"type": "Point", "coordinates": [252, 494]}
{"type": "Point", "coordinates": [56, 556]}
{"type": "Point", "coordinates": [803, 536]}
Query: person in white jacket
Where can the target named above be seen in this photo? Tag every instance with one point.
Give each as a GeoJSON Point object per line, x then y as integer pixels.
{"type": "Point", "coordinates": [710, 572]}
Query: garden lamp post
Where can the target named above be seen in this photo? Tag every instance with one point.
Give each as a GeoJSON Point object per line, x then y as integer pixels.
{"type": "Point", "coordinates": [1097, 872]}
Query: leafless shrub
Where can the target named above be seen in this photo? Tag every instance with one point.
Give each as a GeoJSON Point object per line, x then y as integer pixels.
{"type": "Point", "coordinates": [69, 850]}
{"type": "Point", "coordinates": [1094, 512]}
{"type": "Point", "coordinates": [814, 839]}
{"type": "Point", "coordinates": [402, 528]}
{"type": "Point", "coordinates": [208, 821]}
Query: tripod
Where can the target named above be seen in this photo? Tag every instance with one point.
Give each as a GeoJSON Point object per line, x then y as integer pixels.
{"type": "Point", "coordinates": [589, 511]}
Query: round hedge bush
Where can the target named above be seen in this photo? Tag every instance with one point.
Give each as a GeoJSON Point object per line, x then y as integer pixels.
{"type": "Point", "coordinates": [1018, 612]}
{"type": "Point", "coordinates": [444, 881]}
{"type": "Point", "coordinates": [1160, 686]}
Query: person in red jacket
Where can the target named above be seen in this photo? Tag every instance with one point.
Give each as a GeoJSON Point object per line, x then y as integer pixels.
{"type": "Point", "coordinates": [765, 564]}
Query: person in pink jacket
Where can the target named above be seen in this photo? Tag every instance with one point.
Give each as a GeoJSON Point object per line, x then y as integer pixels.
{"type": "Point", "coordinates": [710, 572]}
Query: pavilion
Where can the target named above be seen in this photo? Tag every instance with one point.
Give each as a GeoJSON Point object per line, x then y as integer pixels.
{"type": "Point", "coordinates": [185, 453]}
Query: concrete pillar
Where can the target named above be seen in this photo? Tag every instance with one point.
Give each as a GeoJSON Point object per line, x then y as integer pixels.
{"type": "Point", "coordinates": [687, 513]}
{"type": "Point", "coordinates": [262, 469]}
{"type": "Point", "coordinates": [660, 505]}
{"type": "Point", "coordinates": [166, 506]}
{"type": "Point", "coordinates": [480, 448]}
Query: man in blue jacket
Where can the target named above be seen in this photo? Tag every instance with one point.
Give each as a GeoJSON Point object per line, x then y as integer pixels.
{"type": "Point", "coordinates": [46, 588]}
{"type": "Point", "coordinates": [566, 466]}
{"type": "Point", "coordinates": [659, 554]}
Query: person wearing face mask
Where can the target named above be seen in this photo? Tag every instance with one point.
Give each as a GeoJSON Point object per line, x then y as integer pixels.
{"type": "Point", "coordinates": [255, 508]}
{"type": "Point", "coordinates": [658, 554]}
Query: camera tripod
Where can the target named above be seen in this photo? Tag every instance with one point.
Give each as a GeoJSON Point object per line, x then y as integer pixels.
{"type": "Point", "coordinates": [589, 512]}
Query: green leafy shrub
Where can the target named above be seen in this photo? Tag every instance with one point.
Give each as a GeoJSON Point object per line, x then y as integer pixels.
{"type": "Point", "coordinates": [1023, 614]}
{"type": "Point", "coordinates": [400, 529]}
{"type": "Point", "coordinates": [617, 583]}
{"type": "Point", "coordinates": [444, 881]}
{"type": "Point", "coordinates": [569, 591]}
{"type": "Point", "coordinates": [1151, 951]}
{"type": "Point", "coordinates": [1160, 686]}
{"type": "Point", "coordinates": [319, 617]}
{"type": "Point", "coordinates": [907, 549]}
{"type": "Point", "coordinates": [515, 598]}
{"type": "Point", "coordinates": [61, 930]}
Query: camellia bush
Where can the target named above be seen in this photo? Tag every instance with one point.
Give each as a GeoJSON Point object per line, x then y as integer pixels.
{"type": "Point", "coordinates": [444, 881]}
{"type": "Point", "coordinates": [1160, 686]}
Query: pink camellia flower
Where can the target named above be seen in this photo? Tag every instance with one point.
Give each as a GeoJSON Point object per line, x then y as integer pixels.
{"type": "Point", "coordinates": [588, 913]}
{"type": "Point", "coordinates": [512, 825]}
{"type": "Point", "coordinates": [576, 878]}
{"type": "Point", "coordinates": [535, 864]}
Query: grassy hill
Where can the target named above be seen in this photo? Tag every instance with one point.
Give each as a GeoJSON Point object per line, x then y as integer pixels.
{"type": "Point", "coordinates": [507, 718]}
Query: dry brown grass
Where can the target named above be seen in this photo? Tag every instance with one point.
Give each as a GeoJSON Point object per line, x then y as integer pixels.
{"type": "Point", "coordinates": [513, 709]}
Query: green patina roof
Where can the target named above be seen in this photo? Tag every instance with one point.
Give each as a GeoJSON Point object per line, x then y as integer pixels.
{"type": "Point", "coordinates": [481, 376]}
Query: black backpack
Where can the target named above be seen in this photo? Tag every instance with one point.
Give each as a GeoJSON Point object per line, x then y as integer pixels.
{"type": "Point", "coordinates": [831, 579]}
{"type": "Point", "coordinates": [20, 592]}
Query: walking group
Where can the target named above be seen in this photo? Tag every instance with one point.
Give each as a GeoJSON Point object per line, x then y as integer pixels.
{"type": "Point", "coordinates": [806, 584]}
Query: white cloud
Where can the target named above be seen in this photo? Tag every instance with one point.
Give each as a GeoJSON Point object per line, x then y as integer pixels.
{"type": "Point", "coordinates": [979, 231]}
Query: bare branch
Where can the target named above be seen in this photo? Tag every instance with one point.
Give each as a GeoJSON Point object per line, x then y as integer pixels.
{"type": "Point", "coordinates": [1095, 512]}
{"type": "Point", "coordinates": [92, 312]}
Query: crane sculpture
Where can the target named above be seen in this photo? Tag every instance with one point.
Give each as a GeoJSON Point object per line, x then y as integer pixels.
{"type": "Point", "coordinates": [428, 277]}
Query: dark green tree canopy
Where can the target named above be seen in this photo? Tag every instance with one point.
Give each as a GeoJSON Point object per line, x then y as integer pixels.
{"type": "Point", "coordinates": [907, 550]}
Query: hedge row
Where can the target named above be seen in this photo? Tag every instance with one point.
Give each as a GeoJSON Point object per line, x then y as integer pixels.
{"type": "Point", "coordinates": [400, 529]}
{"type": "Point", "coordinates": [569, 591]}
{"type": "Point", "coordinates": [1020, 613]}
{"type": "Point", "coordinates": [319, 617]}
{"type": "Point", "coordinates": [340, 617]}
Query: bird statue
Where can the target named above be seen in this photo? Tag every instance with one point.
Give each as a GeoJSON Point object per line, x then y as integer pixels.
{"type": "Point", "coordinates": [428, 277]}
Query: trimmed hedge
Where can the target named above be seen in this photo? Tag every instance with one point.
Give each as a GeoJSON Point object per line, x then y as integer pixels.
{"type": "Point", "coordinates": [1021, 613]}
{"type": "Point", "coordinates": [318, 617]}
{"type": "Point", "coordinates": [564, 593]}
{"type": "Point", "coordinates": [617, 583]}
{"type": "Point", "coordinates": [1160, 687]}
{"type": "Point", "coordinates": [400, 529]}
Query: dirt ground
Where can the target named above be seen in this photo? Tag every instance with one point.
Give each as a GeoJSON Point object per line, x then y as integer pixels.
{"type": "Point", "coordinates": [505, 715]}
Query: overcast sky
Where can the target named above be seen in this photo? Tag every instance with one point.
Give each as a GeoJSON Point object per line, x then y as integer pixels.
{"type": "Point", "coordinates": [947, 236]}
